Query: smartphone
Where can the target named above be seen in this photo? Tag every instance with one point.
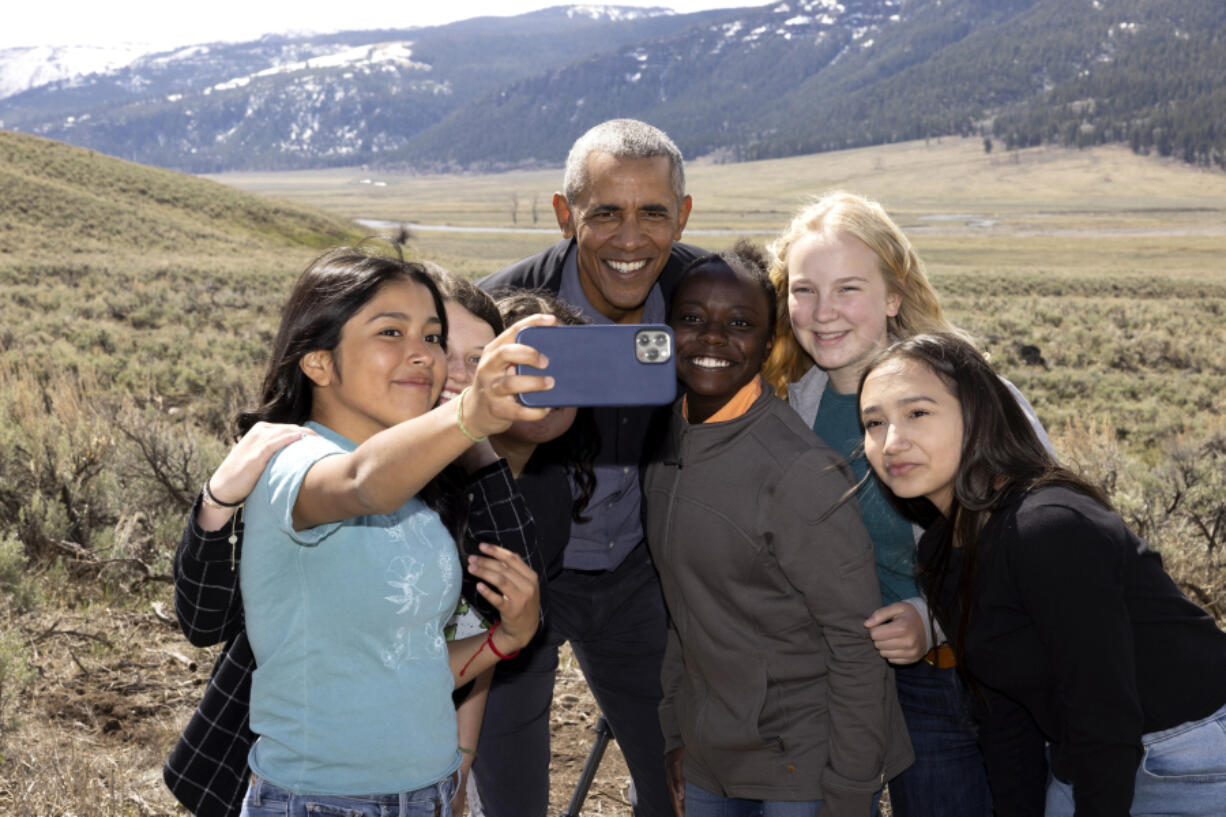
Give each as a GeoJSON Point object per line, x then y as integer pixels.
{"type": "Point", "coordinates": [603, 365]}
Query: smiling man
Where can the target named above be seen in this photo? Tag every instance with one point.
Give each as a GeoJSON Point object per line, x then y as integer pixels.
{"type": "Point", "coordinates": [622, 211]}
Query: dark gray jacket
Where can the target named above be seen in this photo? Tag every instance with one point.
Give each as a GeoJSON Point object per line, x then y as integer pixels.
{"type": "Point", "coordinates": [771, 682]}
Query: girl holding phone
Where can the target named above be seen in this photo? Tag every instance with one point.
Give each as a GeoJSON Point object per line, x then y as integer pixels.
{"type": "Point", "coordinates": [207, 770]}
{"type": "Point", "coordinates": [347, 577]}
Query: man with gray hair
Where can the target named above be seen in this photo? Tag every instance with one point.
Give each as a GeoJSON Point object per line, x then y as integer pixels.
{"type": "Point", "coordinates": [621, 214]}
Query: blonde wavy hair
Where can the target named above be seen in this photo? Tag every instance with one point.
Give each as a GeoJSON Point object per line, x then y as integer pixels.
{"type": "Point", "coordinates": [843, 213]}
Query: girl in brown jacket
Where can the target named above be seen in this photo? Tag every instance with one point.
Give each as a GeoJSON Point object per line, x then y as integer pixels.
{"type": "Point", "coordinates": [775, 701]}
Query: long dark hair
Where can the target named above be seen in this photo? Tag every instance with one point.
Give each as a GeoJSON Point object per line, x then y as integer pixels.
{"type": "Point", "coordinates": [579, 445]}
{"type": "Point", "coordinates": [329, 292]}
{"type": "Point", "coordinates": [1001, 456]}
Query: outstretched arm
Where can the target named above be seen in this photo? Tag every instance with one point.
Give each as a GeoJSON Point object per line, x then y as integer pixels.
{"type": "Point", "coordinates": [390, 467]}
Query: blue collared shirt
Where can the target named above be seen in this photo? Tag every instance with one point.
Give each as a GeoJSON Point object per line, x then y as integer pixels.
{"type": "Point", "coordinates": [615, 524]}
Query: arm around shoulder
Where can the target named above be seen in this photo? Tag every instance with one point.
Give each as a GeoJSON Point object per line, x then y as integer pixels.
{"type": "Point", "coordinates": [207, 600]}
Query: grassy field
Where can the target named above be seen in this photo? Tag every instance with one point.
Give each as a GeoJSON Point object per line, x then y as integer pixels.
{"type": "Point", "coordinates": [137, 308]}
{"type": "Point", "coordinates": [1105, 190]}
{"type": "Point", "coordinates": [1111, 263]}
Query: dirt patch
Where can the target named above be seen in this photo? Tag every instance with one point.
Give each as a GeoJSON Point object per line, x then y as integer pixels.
{"type": "Point", "coordinates": [113, 687]}
{"type": "Point", "coordinates": [572, 730]}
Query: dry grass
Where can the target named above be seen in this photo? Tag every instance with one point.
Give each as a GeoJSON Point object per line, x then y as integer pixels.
{"type": "Point", "coordinates": [1036, 188]}
{"type": "Point", "coordinates": [137, 314]}
{"type": "Point", "coordinates": [114, 685]}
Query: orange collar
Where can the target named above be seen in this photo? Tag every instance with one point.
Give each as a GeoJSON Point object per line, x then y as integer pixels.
{"type": "Point", "coordinates": [735, 407]}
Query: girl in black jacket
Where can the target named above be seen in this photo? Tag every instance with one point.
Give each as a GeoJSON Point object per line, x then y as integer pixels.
{"type": "Point", "coordinates": [1080, 647]}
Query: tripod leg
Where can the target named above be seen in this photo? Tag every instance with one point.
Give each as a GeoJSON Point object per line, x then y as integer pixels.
{"type": "Point", "coordinates": [603, 733]}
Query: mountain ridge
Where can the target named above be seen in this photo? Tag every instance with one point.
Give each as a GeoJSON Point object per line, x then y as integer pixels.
{"type": "Point", "coordinates": [794, 77]}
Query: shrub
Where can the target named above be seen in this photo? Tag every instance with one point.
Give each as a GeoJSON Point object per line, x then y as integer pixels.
{"type": "Point", "coordinates": [16, 674]}
{"type": "Point", "coordinates": [1177, 505]}
{"type": "Point", "coordinates": [18, 587]}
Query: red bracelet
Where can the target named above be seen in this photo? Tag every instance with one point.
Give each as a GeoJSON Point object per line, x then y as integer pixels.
{"type": "Point", "coordinates": [489, 639]}
{"type": "Point", "coordinates": [494, 648]}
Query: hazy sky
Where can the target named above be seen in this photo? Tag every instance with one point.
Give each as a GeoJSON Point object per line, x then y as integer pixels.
{"type": "Point", "coordinates": [165, 23]}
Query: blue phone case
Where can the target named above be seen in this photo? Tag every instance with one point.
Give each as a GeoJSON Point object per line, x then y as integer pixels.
{"type": "Point", "coordinates": [603, 365]}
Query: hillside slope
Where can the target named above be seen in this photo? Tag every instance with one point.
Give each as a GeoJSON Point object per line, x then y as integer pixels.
{"type": "Point", "coordinates": [140, 280]}
{"type": "Point", "coordinates": [784, 79]}
{"type": "Point", "coordinates": [818, 75]}
{"type": "Point", "coordinates": [53, 193]}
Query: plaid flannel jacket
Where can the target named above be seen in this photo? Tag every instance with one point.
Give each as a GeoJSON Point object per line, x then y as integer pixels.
{"type": "Point", "coordinates": [207, 769]}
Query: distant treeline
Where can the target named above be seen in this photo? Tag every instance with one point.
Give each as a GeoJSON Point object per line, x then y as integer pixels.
{"type": "Point", "coordinates": [1167, 98]}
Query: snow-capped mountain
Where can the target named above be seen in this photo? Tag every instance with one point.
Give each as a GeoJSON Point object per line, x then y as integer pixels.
{"type": "Point", "coordinates": [803, 76]}
{"type": "Point", "coordinates": [285, 101]}
{"type": "Point", "coordinates": [614, 13]}
{"type": "Point", "coordinates": [795, 76]}
{"type": "Point", "coordinates": [23, 68]}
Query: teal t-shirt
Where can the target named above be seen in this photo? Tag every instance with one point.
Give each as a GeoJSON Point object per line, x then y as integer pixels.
{"type": "Point", "coordinates": [893, 538]}
{"type": "Point", "coordinates": [352, 691]}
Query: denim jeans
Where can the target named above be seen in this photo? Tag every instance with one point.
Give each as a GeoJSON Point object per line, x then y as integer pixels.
{"type": "Point", "coordinates": [267, 800]}
{"type": "Point", "coordinates": [1182, 772]}
{"type": "Point", "coordinates": [701, 803]}
{"type": "Point", "coordinates": [948, 778]}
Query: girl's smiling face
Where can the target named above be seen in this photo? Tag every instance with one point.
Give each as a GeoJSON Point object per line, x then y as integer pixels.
{"type": "Point", "coordinates": [912, 431]}
{"type": "Point", "coordinates": [838, 303]}
{"type": "Point", "coordinates": [467, 337]}
{"type": "Point", "coordinates": [389, 365]}
{"type": "Point", "coordinates": [721, 320]}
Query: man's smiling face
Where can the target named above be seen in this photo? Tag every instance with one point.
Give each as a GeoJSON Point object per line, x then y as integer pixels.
{"type": "Point", "coordinates": [625, 223]}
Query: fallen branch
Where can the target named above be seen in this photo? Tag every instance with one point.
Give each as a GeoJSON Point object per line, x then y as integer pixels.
{"type": "Point", "coordinates": [182, 659]}
{"type": "Point", "coordinates": [159, 611]}
{"type": "Point", "coordinates": [78, 633]}
{"type": "Point", "coordinates": [82, 554]}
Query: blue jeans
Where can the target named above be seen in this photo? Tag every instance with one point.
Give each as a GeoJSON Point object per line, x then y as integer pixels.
{"type": "Point", "coordinates": [701, 803]}
{"type": "Point", "coordinates": [948, 778]}
{"type": "Point", "coordinates": [1182, 772]}
{"type": "Point", "coordinates": [267, 800]}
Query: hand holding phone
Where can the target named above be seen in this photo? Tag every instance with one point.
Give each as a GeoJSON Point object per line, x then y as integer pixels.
{"type": "Point", "coordinates": [603, 364]}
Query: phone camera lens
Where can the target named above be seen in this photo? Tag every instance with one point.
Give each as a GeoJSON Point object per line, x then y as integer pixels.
{"type": "Point", "coordinates": [644, 340]}
{"type": "Point", "coordinates": [661, 339]}
{"type": "Point", "coordinates": [653, 354]}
